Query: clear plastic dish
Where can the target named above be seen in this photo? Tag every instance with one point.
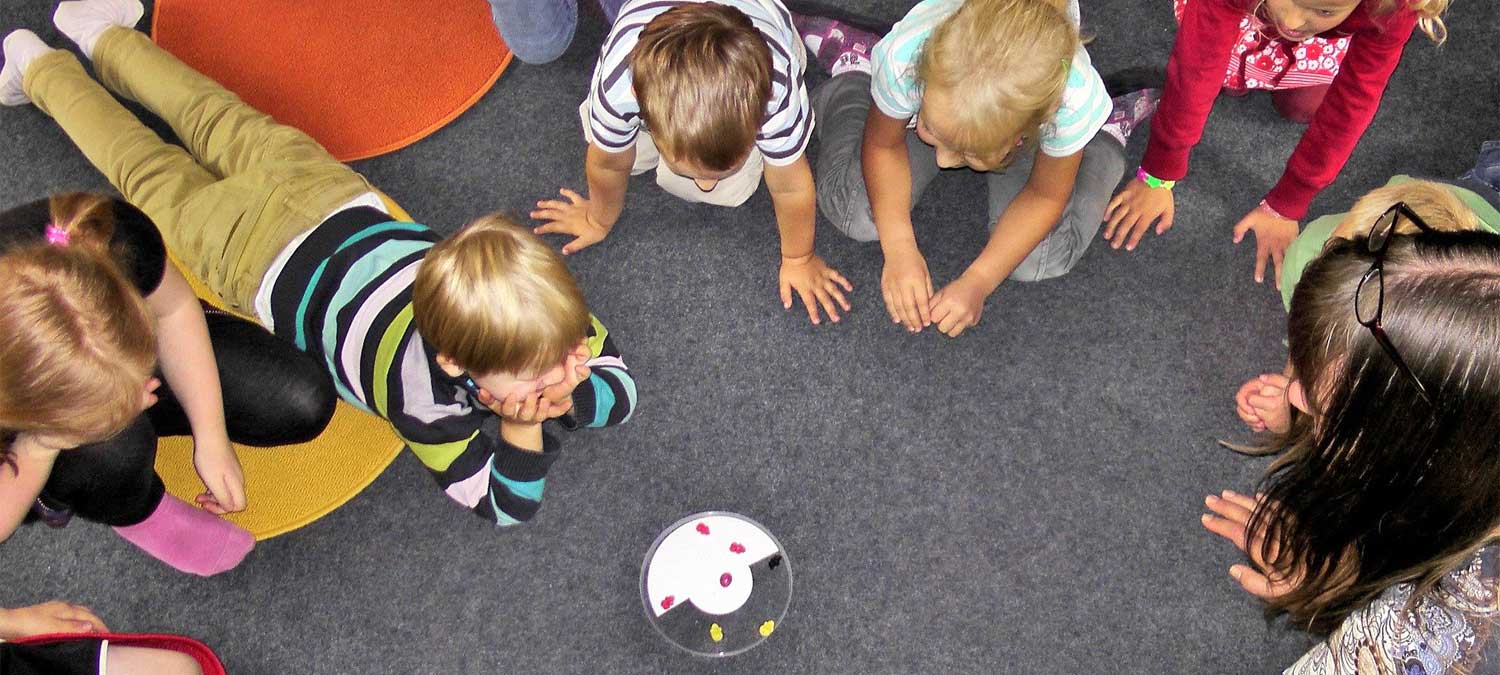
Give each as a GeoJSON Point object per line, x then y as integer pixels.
{"type": "Point", "coordinates": [716, 583]}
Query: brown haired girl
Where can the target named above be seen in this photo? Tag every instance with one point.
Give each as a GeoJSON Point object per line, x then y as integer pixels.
{"type": "Point", "coordinates": [1377, 524]}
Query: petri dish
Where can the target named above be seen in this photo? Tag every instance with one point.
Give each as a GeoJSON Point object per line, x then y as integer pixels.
{"type": "Point", "coordinates": [716, 584]}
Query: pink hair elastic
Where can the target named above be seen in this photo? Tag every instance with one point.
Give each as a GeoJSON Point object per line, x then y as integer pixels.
{"type": "Point", "coordinates": [57, 236]}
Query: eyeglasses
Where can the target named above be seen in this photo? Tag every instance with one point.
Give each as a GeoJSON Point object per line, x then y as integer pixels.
{"type": "Point", "coordinates": [1369, 299]}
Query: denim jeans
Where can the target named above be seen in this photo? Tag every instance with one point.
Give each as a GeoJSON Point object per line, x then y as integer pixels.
{"type": "Point", "coordinates": [841, 105]}
{"type": "Point", "coordinates": [538, 31]}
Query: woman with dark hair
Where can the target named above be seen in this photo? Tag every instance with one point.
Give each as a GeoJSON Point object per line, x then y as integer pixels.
{"type": "Point", "coordinates": [1377, 523]}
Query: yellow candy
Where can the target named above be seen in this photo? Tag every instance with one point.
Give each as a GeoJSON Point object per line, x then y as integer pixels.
{"type": "Point", "coordinates": [766, 628]}
{"type": "Point", "coordinates": [716, 633]}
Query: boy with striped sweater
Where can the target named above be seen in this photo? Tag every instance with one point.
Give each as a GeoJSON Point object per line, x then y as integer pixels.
{"type": "Point", "coordinates": [436, 336]}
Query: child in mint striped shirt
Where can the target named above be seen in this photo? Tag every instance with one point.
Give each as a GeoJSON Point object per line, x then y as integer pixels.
{"type": "Point", "coordinates": [1003, 87]}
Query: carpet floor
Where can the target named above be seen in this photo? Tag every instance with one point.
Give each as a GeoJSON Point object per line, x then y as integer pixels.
{"type": "Point", "coordinates": [1022, 499]}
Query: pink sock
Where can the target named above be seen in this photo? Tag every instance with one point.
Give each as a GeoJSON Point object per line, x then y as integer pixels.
{"type": "Point", "coordinates": [189, 539]}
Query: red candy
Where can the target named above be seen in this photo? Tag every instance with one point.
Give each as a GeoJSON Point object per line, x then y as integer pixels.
{"type": "Point", "coordinates": [666, 603]}
{"type": "Point", "coordinates": [702, 528]}
{"type": "Point", "coordinates": [736, 547]}
{"type": "Point", "coordinates": [725, 579]}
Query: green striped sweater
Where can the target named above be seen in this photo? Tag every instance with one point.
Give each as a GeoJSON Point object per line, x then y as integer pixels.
{"type": "Point", "coordinates": [345, 297]}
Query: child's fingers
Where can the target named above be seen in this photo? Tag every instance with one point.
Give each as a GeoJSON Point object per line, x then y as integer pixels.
{"type": "Point", "coordinates": [580, 242]}
{"type": "Point", "coordinates": [839, 279]}
{"type": "Point", "coordinates": [1230, 509]}
{"type": "Point", "coordinates": [786, 294]}
{"type": "Point", "coordinates": [1276, 256]}
{"type": "Point", "coordinates": [1123, 232]}
{"type": "Point", "coordinates": [811, 304]}
{"type": "Point", "coordinates": [1115, 211]}
{"type": "Point", "coordinates": [1244, 502]}
{"type": "Point", "coordinates": [1226, 528]}
{"type": "Point", "coordinates": [83, 616]}
{"type": "Point", "coordinates": [572, 196]}
{"type": "Point", "coordinates": [554, 225]}
{"type": "Point", "coordinates": [923, 305]}
{"type": "Point", "coordinates": [1137, 233]}
{"type": "Point", "coordinates": [1240, 228]}
{"type": "Point", "coordinates": [1166, 220]}
{"type": "Point", "coordinates": [1275, 379]}
{"type": "Point", "coordinates": [890, 305]}
{"type": "Point", "coordinates": [955, 325]}
{"type": "Point", "coordinates": [207, 502]}
{"type": "Point", "coordinates": [1255, 583]}
{"type": "Point", "coordinates": [833, 291]}
{"type": "Point", "coordinates": [826, 300]}
{"type": "Point", "coordinates": [1260, 261]}
{"type": "Point", "coordinates": [910, 316]}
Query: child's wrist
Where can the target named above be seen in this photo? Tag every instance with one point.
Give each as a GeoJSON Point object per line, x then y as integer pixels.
{"type": "Point", "coordinates": [799, 259]}
{"type": "Point", "coordinates": [1266, 207]}
{"type": "Point", "coordinates": [1152, 181]}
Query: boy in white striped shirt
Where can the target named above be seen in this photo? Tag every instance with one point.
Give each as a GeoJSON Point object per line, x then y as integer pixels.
{"type": "Point", "coordinates": [711, 96]}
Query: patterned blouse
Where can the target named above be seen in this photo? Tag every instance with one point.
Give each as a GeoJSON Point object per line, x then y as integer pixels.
{"type": "Point", "coordinates": [1446, 631]}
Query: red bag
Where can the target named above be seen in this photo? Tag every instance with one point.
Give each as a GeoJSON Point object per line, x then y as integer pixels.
{"type": "Point", "coordinates": [200, 652]}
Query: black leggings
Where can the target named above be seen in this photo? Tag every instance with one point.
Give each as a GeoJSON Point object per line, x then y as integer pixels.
{"type": "Point", "coordinates": [274, 394]}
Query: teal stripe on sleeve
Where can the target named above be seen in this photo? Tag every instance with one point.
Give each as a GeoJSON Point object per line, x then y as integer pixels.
{"type": "Point", "coordinates": [531, 489]}
{"type": "Point", "coordinates": [604, 400]}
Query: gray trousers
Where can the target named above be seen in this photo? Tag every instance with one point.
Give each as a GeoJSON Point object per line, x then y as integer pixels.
{"type": "Point", "coordinates": [842, 104]}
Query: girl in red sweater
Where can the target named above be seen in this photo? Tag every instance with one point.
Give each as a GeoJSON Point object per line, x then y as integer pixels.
{"type": "Point", "coordinates": [1326, 63]}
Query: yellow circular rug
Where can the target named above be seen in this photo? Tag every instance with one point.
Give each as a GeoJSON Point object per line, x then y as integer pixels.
{"type": "Point", "coordinates": [290, 486]}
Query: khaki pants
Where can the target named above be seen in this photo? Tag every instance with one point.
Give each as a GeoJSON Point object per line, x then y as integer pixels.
{"type": "Point", "coordinates": [229, 202]}
{"type": "Point", "coordinates": [731, 191]}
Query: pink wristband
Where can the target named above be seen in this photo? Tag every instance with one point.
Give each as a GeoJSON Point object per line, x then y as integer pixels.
{"type": "Point", "coordinates": [1268, 209]}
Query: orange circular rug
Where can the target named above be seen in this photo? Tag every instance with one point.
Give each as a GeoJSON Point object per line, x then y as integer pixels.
{"type": "Point", "coordinates": [363, 77]}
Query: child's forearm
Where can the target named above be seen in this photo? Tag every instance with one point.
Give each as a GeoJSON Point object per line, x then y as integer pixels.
{"type": "Point", "coordinates": [1024, 224]}
{"type": "Point", "coordinates": [795, 201]}
{"type": "Point", "coordinates": [186, 355]}
{"type": "Point", "coordinates": [20, 484]}
{"type": "Point", "coordinates": [527, 437]}
{"type": "Point", "coordinates": [1028, 219]}
{"type": "Point", "coordinates": [887, 172]}
{"type": "Point", "coordinates": [608, 174]}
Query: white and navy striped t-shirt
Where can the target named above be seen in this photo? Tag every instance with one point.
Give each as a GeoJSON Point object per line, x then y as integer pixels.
{"type": "Point", "coordinates": [1085, 104]}
{"type": "Point", "coordinates": [614, 113]}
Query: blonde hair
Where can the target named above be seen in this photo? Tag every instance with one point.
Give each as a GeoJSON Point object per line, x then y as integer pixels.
{"type": "Point", "coordinates": [495, 298]}
{"type": "Point", "coordinates": [702, 76]}
{"type": "Point", "coordinates": [78, 343]}
{"type": "Point", "coordinates": [1003, 65]}
{"type": "Point", "coordinates": [1434, 202]}
{"type": "Point", "coordinates": [1429, 15]}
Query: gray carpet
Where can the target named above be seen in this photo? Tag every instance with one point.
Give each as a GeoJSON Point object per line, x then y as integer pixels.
{"type": "Point", "coordinates": [1022, 499]}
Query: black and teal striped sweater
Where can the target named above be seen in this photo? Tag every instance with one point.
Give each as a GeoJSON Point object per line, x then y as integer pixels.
{"type": "Point", "coordinates": [344, 296]}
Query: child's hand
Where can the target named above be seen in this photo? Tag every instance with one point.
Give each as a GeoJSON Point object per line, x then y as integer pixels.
{"type": "Point", "coordinates": [958, 305]}
{"type": "Point", "coordinates": [49, 617]}
{"type": "Point", "coordinates": [569, 217]}
{"type": "Point", "coordinates": [811, 278]}
{"type": "Point", "coordinates": [1231, 520]}
{"type": "Point", "coordinates": [574, 373]}
{"type": "Point", "coordinates": [1262, 403]}
{"type": "Point", "coordinates": [907, 288]}
{"type": "Point", "coordinates": [219, 469]}
{"type": "Point", "coordinates": [533, 409]}
{"type": "Point", "coordinates": [1272, 235]}
{"type": "Point", "coordinates": [1132, 211]}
